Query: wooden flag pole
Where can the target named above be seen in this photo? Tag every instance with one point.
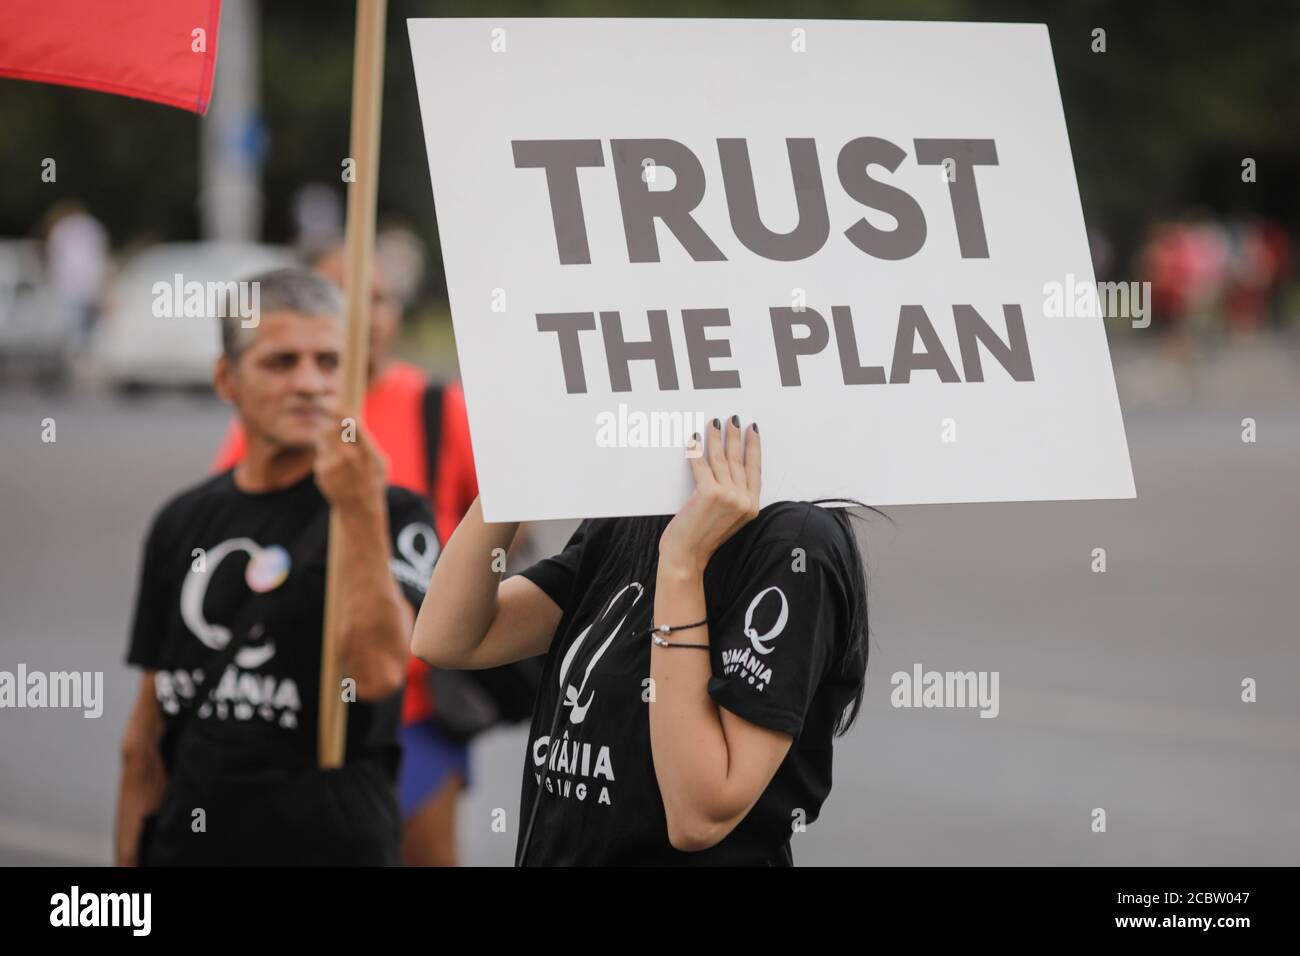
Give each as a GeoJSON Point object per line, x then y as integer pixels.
{"type": "Point", "coordinates": [367, 97]}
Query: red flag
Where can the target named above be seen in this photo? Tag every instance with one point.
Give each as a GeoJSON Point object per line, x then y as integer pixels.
{"type": "Point", "coordinates": [159, 50]}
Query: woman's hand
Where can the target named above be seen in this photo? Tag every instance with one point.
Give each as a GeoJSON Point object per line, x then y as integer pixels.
{"type": "Point", "coordinates": [725, 497]}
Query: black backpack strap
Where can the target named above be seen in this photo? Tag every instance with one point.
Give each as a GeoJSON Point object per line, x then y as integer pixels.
{"type": "Point", "coordinates": [432, 410]}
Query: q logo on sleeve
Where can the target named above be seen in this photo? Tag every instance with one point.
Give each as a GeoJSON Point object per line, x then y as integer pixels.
{"type": "Point", "coordinates": [411, 565]}
{"type": "Point", "coordinates": [761, 641]}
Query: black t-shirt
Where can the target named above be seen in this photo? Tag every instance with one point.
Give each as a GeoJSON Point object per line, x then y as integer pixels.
{"type": "Point", "coordinates": [778, 600]}
{"type": "Point", "coordinates": [218, 561]}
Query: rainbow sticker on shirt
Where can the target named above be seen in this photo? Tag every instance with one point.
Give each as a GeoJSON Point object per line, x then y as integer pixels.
{"type": "Point", "coordinates": [267, 569]}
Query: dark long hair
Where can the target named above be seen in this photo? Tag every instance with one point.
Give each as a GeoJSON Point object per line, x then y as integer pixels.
{"type": "Point", "coordinates": [632, 554]}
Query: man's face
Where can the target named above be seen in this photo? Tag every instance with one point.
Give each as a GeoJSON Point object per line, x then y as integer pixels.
{"type": "Point", "coordinates": [285, 384]}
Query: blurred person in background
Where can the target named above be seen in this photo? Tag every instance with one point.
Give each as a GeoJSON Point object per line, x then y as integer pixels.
{"type": "Point", "coordinates": [317, 212]}
{"type": "Point", "coordinates": [401, 252]}
{"type": "Point", "coordinates": [1259, 271]}
{"type": "Point", "coordinates": [77, 263]}
{"type": "Point", "coordinates": [229, 612]}
{"type": "Point", "coordinates": [1208, 276]}
{"type": "Point", "coordinates": [422, 428]}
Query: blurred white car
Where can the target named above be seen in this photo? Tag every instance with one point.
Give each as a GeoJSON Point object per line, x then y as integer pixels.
{"type": "Point", "coordinates": [135, 347]}
{"type": "Point", "coordinates": [35, 336]}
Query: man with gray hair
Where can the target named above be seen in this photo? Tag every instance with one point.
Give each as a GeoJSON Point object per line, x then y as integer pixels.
{"type": "Point", "coordinates": [219, 755]}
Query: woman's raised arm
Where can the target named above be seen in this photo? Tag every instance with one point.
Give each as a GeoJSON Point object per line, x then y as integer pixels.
{"type": "Point", "coordinates": [470, 618]}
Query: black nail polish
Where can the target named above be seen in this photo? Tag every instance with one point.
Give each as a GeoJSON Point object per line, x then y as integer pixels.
{"type": "Point", "coordinates": [696, 436]}
{"type": "Point", "coordinates": [735, 421]}
{"type": "Point", "coordinates": [717, 424]}
{"type": "Point", "coordinates": [754, 425]}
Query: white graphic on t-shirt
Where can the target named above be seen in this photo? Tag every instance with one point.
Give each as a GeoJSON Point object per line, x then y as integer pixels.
{"type": "Point", "coordinates": [239, 694]}
{"type": "Point", "coordinates": [760, 641]}
{"type": "Point", "coordinates": [195, 589]}
{"type": "Point", "coordinates": [573, 695]}
{"type": "Point", "coordinates": [415, 565]}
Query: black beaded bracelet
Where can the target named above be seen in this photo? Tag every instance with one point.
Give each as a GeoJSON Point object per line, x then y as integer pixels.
{"type": "Point", "coordinates": [655, 631]}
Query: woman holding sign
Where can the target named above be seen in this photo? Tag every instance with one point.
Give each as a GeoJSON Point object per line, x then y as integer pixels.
{"type": "Point", "coordinates": [697, 668]}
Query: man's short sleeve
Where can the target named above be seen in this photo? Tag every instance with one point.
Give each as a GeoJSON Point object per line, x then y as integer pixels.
{"type": "Point", "coordinates": [555, 575]}
{"type": "Point", "coordinates": [415, 544]}
{"type": "Point", "coordinates": [771, 646]}
{"type": "Point", "coordinates": [149, 623]}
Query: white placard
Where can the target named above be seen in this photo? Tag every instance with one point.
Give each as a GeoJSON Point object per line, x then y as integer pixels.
{"type": "Point", "coordinates": [844, 230]}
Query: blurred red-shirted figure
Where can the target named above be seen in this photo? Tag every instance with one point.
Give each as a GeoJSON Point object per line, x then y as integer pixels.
{"type": "Point", "coordinates": [434, 768]}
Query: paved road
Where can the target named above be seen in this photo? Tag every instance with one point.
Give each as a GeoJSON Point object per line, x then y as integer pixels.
{"type": "Point", "coordinates": [1118, 690]}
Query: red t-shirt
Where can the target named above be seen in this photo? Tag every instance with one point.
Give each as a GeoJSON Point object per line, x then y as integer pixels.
{"type": "Point", "coordinates": [394, 416]}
